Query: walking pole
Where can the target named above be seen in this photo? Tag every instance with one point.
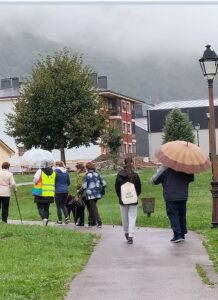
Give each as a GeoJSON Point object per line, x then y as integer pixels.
{"type": "Point", "coordinates": [15, 194]}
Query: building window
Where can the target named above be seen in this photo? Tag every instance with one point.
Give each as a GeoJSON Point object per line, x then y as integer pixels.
{"type": "Point", "coordinates": [124, 148]}
{"type": "Point", "coordinates": [124, 127]}
{"type": "Point", "coordinates": [128, 107]}
{"type": "Point", "coordinates": [133, 148]}
{"type": "Point", "coordinates": [129, 148]}
{"type": "Point", "coordinates": [133, 127]}
{"type": "Point", "coordinates": [123, 106]}
{"type": "Point", "coordinates": [129, 128]}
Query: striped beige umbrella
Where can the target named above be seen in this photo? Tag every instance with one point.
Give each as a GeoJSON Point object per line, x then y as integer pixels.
{"type": "Point", "coordinates": [183, 156]}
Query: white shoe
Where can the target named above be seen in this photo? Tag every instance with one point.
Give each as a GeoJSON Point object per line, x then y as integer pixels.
{"type": "Point", "coordinates": [45, 222]}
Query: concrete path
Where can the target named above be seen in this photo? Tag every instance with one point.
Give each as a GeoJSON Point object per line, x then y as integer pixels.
{"type": "Point", "coordinates": [151, 269]}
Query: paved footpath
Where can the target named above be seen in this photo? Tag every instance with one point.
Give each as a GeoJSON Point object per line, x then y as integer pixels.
{"type": "Point", "coordinates": [151, 269]}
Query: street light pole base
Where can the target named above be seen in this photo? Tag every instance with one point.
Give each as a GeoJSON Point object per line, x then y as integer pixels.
{"type": "Point", "coordinates": [214, 192]}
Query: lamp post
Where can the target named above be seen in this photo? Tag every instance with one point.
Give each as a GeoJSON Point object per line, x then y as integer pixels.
{"type": "Point", "coordinates": [209, 67]}
{"type": "Point", "coordinates": [197, 128]}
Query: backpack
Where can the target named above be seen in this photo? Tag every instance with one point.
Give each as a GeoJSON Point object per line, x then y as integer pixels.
{"type": "Point", "coordinates": [128, 193]}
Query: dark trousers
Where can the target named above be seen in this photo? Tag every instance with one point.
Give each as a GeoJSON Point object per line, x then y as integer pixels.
{"type": "Point", "coordinates": [61, 202]}
{"type": "Point", "coordinates": [94, 210]}
{"type": "Point", "coordinates": [43, 209]}
{"type": "Point", "coordinates": [91, 217]}
{"type": "Point", "coordinates": [176, 212]}
{"type": "Point", "coordinates": [4, 205]}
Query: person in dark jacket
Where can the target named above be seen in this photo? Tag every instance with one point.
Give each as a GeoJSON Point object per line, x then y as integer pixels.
{"type": "Point", "coordinates": [128, 211]}
{"type": "Point", "coordinates": [44, 189]}
{"type": "Point", "coordinates": [175, 193]}
{"type": "Point", "coordinates": [94, 188]}
{"type": "Point", "coordinates": [62, 183]}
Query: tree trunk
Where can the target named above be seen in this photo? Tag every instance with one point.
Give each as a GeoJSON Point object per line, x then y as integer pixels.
{"type": "Point", "coordinates": [63, 155]}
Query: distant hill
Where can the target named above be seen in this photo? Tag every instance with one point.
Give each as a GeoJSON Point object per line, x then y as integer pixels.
{"type": "Point", "coordinates": [150, 78]}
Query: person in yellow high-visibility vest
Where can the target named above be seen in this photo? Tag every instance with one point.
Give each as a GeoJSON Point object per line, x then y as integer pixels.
{"type": "Point", "coordinates": [44, 189]}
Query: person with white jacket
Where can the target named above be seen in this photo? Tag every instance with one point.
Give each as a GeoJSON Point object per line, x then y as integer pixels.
{"type": "Point", "coordinates": [7, 183]}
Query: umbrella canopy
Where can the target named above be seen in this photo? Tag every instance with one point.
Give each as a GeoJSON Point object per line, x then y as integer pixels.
{"type": "Point", "coordinates": [183, 156]}
{"type": "Point", "coordinates": [37, 158]}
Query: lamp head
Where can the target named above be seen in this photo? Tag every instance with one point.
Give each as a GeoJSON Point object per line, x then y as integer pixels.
{"type": "Point", "coordinates": [209, 63]}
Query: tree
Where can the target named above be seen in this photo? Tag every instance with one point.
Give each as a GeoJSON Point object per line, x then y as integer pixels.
{"type": "Point", "coordinates": [178, 127]}
{"type": "Point", "coordinates": [58, 107]}
{"type": "Point", "coordinates": [113, 139]}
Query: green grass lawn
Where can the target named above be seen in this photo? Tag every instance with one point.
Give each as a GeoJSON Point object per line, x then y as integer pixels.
{"type": "Point", "coordinates": [32, 264]}
{"type": "Point", "coordinates": [38, 263]}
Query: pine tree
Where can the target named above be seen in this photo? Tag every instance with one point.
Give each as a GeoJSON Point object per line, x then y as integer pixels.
{"type": "Point", "coordinates": [178, 127]}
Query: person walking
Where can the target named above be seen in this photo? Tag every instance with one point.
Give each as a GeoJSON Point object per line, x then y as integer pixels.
{"type": "Point", "coordinates": [62, 182]}
{"type": "Point", "coordinates": [79, 206]}
{"type": "Point", "coordinates": [94, 188]}
{"type": "Point", "coordinates": [7, 183]}
{"type": "Point", "coordinates": [175, 193]}
{"type": "Point", "coordinates": [44, 189]}
{"type": "Point", "coordinates": [128, 211]}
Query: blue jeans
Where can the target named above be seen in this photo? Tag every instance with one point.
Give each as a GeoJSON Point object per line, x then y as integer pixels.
{"type": "Point", "coordinates": [176, 212]}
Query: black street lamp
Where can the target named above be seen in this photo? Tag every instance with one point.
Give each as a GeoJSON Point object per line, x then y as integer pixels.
{"type": "Point", "coordinates": [209, 67]}
{"type": "Point", "coordinates": [197, 128]}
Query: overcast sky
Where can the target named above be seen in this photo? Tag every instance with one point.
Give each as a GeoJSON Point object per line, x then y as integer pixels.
{"type": "Point", "coordinates": [128, 29]}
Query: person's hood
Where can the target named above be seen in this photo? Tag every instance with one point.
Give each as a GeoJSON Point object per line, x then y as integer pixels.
{"type": "Point", "coordinates": [123, 173]}
{"type": "Point", "coordinates": [60, 169]}
{"type": "Point", "coordinates": [47, 170]}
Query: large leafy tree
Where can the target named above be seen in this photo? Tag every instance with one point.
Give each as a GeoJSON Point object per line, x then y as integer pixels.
{"type": "Point", "coordinates": [59, 107]}
{"type": "Point", "coordinates": [114, 141]}
{"type": "Point", "coordinates": [178, 127]}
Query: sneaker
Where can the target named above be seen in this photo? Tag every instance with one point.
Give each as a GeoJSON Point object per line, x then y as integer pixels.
{"type": "Point", "coordinates": [177, 239]}
{"type": "Point", "coordinates": [45, 222]}
{"type": "Point", "coordinates": [130, 240]}
{"type": "Point", "coordinates": [80, 224]}
{"type": "Point", "coordinates": [99, 225]}
{"type": "Point", "coordinates": [183, 236]}
{"type": "Point", "coordinates": [127, 236]}
{"type": "Point", "coordinates": [59, 222]}
{"type": "Point", "coordinates": [67, 220]}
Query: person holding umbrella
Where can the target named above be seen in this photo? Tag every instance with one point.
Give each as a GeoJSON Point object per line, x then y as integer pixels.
{"type": "Point", "coordinates": [180, 159]}
{"type": "Point", "coordinates": [44, 189]}
{"type": "Point", "coordinates": [175, 192]}
{"type": "Point", "coordinates": [7, 183]}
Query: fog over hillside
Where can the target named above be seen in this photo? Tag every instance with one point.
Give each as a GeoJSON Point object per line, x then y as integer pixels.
{"type": "Point", "coordinates": [148, 52]}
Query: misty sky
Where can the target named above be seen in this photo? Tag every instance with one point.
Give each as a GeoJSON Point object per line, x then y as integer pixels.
{"type": "Point", "coordinates": [127, 30]}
